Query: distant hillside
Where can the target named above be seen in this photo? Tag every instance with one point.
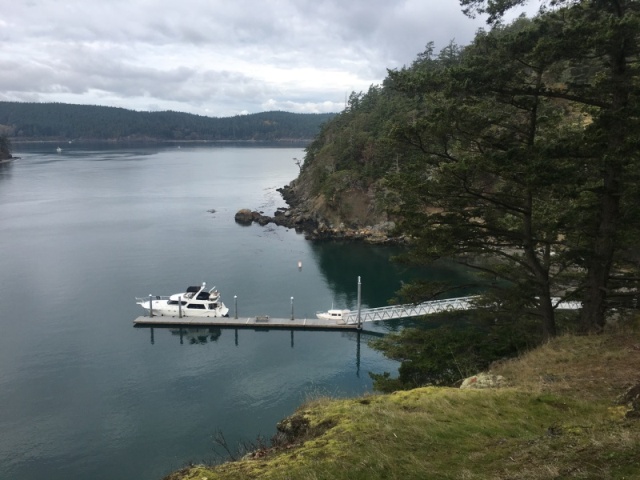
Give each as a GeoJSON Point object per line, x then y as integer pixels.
{"type": "Point", "coordinates": [59, 121]}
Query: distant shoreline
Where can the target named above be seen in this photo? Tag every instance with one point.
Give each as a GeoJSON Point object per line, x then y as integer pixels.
{"type": "Point", "coordinates": [301, 141]}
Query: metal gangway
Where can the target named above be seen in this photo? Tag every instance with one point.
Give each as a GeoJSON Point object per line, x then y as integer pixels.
{"type": "Point", "coordinates": [426, 308]}
{"type": "Point", "coordinates": [393, 312]}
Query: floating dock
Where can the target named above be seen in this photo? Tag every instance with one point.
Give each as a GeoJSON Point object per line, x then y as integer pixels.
{"type": "Point", "coordinates": [352, 320]}
{"type": "Point", "coordinates": [263, 321]}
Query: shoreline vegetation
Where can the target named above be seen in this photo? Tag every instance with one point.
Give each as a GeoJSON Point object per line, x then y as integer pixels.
{"type": "Point", "coordinates": [5, 150]}
{"type": "Point", "coordinates": [567, 409]}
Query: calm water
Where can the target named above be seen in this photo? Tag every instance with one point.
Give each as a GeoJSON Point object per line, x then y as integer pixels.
{"type": "Point", "coordinates": [83, 393]}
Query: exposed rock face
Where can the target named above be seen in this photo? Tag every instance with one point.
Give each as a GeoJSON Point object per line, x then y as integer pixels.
{"type": "Point", "coordinates": [311, 217]}
{"type": "Point", "coordinates": [314, 230]}
{"type": "Point", "coordinates": [484, 380]}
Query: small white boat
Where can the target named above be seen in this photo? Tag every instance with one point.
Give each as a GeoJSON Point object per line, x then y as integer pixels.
{"type": "Point", "coordinates": [334, 314]}
{"type": "Point", "coordinates": [195, 302]}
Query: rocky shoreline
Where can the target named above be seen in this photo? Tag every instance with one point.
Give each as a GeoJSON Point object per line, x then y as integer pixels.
{"type": "Point", "coordinates": [314, 228]}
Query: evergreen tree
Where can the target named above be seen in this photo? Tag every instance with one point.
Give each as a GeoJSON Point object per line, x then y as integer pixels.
{"type": "Point", "coordinates": [604, 37]}
{"type": "Point", "coordinates": [487, 190]}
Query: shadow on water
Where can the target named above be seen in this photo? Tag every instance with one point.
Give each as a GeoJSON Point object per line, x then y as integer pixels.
{"type": "Point", "coordinates": [381, 276]}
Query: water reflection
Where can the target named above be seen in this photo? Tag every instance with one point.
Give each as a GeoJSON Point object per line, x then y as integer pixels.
{"type": "Point", "coordinates": [197, 336]}
{"type": "Point", "coordinates": [207, 335]}
{"type": "Point", "coordinates": [381, 277]}
{"type": "Point", "coordinates": [6, 169]}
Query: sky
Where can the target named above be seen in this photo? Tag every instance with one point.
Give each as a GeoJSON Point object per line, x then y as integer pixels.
{"type": "Point", "coordinates": [217, 58]}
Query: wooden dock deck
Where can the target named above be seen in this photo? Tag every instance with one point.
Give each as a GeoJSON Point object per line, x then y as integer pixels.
{"type": "Point", "coordinates": [250, 322]}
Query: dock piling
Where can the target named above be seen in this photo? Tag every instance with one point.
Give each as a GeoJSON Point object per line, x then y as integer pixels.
{"type": "Point", "coordinates": [359, 302]}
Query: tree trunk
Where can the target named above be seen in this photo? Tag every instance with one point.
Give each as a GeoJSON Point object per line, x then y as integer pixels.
{"type": "Point", "coordinates": [593, 316]}
{"type": "Point", "coordinates": [594, 307]}
{"type": "Point", "coordinates": [540, 271]}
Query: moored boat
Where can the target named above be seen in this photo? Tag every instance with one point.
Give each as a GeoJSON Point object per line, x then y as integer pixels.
{"type": "Point", "coordinates": [339, 316]}
{"type": "Point", "coordinates": [195, 302]}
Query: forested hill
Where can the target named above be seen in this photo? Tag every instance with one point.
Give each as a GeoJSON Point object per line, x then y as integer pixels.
{"type": "Point", "coordinates": [521, 146]}
{"type": "Point", "coordinates": [59, 121]}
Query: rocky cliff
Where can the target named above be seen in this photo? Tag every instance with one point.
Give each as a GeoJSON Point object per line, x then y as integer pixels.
{"type": "Point", "coordinates": [353, 217]}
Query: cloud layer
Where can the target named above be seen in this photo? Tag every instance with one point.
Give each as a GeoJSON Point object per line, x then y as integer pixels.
{"type": "Point", "coordinates": [215, 57]}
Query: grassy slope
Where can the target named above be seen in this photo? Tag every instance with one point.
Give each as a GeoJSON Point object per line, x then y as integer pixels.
{"type": "Point", "coordinates": [558, 419]}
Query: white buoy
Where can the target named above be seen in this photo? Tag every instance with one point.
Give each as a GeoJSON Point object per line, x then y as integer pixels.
{"type": "Point", "coordinates": [299, 264]}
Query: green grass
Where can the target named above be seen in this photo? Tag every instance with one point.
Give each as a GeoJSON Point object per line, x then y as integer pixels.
{"type": "Point", "coordinates": [558, 419]}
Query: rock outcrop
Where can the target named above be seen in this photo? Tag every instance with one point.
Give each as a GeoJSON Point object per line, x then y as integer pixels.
{"type": "Point", "coordinates": [244, 216]}
{"type": "Point", "coordinates": [317, 230]}
{"type": "Point", "coordinates": [484, 380]}
{"type": "Point", "coordinates": [631, 399]}
{"type": "Point", "coordinates": [313, 222]}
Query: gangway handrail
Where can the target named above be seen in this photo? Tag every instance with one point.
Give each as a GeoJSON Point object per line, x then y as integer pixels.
{"type": "Point", "coordinates": [410, 310]}
{"type": "Point", "coordinates": [431, 307]}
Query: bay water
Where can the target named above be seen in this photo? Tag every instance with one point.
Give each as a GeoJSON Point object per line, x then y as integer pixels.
{"type": "Point", "coordinates": [83, 393]}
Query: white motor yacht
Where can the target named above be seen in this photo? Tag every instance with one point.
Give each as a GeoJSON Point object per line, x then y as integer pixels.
{"type": "Point", "coordinates": [195, 302]}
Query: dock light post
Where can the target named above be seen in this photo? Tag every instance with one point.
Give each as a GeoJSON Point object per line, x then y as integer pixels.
{"type": "Point", "coordinates": [359, 302]}
{"type": "Point", "coordinates": [235, 302]}
{"type": "Point", "coordinates": [179, 307]}
{"type": "Point", "coordinates": [150, 305]}
{"type": "Point", "coordinates": [291, 308]}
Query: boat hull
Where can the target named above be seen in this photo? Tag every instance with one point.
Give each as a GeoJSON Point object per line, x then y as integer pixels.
{"type": "Point", "coordinates": [162, 308]}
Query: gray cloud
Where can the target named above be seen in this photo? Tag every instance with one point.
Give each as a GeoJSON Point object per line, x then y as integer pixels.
{"type": "Point", "coordinates": [215, 57]}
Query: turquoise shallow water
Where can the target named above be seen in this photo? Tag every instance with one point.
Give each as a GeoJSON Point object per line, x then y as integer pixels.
{"type": "Point", "coordinates": [84, 394]}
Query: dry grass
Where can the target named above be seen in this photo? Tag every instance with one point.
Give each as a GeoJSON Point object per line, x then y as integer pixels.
{"type": "Point", "coordinates": [595, 368]}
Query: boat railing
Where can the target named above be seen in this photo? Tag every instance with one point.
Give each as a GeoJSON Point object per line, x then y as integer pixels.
{"type": "Point", "coordinates": [152, 297]}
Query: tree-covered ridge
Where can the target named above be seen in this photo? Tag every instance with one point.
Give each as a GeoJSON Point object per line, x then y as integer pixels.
{"type": "Point", "coordinates": [59, 121]}
{"type": "Point", "coordinates": [516, 155]}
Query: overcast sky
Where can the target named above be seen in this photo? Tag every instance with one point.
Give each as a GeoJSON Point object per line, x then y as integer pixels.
{"type": "Point", "coordinates": [215, 57]}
